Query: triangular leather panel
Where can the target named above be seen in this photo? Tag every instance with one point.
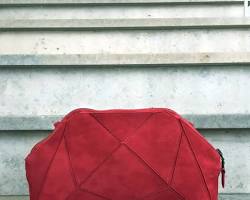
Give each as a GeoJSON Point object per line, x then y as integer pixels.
{"type": "Point", "coordinates": [187, 176]}
{"type": "Point", "coordinates": [88, 145]}
{"type": "Point", "coordinates": [167, 194]}
{"type": "Point", "coordinates": [124, 176]}
{"type": "Point", "coordinates": [165, 139]}
{"type": "Point", "coordinates": [60, 167]}
{"type": "Point", "coordinates": [129, 121]}
{"type": "Point", "coordinates": [202, 149]}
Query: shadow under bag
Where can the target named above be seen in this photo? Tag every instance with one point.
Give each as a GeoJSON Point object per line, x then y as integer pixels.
{"type": "Point", "coordinates": [124, 154]}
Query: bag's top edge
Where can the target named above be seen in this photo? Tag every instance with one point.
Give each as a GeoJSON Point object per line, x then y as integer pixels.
{"type": "Point", "coordinates": [125, 110]}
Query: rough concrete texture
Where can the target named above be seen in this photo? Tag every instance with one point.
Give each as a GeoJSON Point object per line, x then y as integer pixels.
{"type": "Point", "coordinates": [114, 42]}
{"type": "Point", "coordinates": [15, 145]}
{"type": "Point", "coordinates": [144, 41]}
{"type": "Point", "coordinates": [55, 91]}
{"type": "Point", "coordinates": [123, 24]}
{"type": "Point", "coordinates": [126, 60]}
{"type": "Point", "coordinates": [235, 145]}
{"type": "Point", "coordinates": [94, 12]}
{"type": "Point", "coordinates": [107, 2]}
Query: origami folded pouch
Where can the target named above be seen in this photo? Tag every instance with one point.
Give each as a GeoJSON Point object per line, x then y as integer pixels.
{"type": "Point", "coordinates": [123, 154]}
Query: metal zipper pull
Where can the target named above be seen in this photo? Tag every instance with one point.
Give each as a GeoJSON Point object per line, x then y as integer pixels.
{"type": "Point", "coordinates": [223, 171]}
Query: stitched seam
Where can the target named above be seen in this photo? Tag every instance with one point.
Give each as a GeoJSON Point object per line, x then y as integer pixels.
{"type": "Point", "coordinates": [202, 138]}
{"type": "Point", "coordinates": [106, 158]}
{"type": "Point", "coordinates": [169, 114]}
{"type": "Point", "coordinates": [137, 128]}
{"type": "Point", "coordinates": [197, 163]}
{"type": "Point", "coordinates": [70, 194]}
{"type": "Point", "coordinates": [158, 192]}
{"type": "Point", "coordinates": [177, 155]}
{"type": "Point", "coordinates": [116, 112]}
{"type": "Point", "coordinates": [155, 172]}
{"type": "Point", "coordinates": [120, 143]}
{"type": "Point", "coordinates": [93, 193]}
{"type": "Point", "coordinates": [128, 136]}
{"type": "Point", "coordinates": [89, 191]}
{"type": "Point", "coordinates": [28, 179]}
{"type": "Point", "coordinates": [96, 168]}
{"type": "Point", "coordinates": [50, 163]}
{"type": "Point", "coordinates": [70, 163]}
{"type": "Point", "coordinates": [109, 156]}
{"type": "Point", "coordinates": [86, 191]}
{"type": "Point", "coordinates": [104, 126]}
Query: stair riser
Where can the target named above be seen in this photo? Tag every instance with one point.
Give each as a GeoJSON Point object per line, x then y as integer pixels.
{"type": "Point", "coordinates": [190, 90]}
{"type": "Point", "coordinates": [144, 41]}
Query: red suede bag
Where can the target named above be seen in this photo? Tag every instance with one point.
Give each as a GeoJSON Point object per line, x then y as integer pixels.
{"type": "Point", "coordinates": [123, 154]}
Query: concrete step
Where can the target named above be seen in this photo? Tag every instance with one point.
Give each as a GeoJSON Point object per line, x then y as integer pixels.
{"type": "Point", "coordinates": [127, 60]}
{"type": "Point", "coordinates": [101, 2]}
{"type": "Point", "coordinates": [54, 90]}
{"type": "Point", "coordinates": [121, 24]}
{"type": "Point", "coordinates": [83, 9]}
{"type": "Point", "coordinates": [106, 36]}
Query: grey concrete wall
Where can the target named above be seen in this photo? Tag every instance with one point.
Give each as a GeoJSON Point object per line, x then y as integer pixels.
{"type": "Point", "coordinates": [190, 56]}
{"type": "Point", "coordinates": [52, 91]}
{"type": "Point", "coordinates": [120, 42]}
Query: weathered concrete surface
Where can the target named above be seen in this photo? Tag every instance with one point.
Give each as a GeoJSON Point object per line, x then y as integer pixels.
{"type": "Point", "coordinates": [118, 24]}
{"type": "Point", "coordinates": [102, 60]}
{"type": "Point", "coordinates": [14, 197]}
{"type": "Point", "coordinates": [227, 9]}
{"type": "Point", "coordinates": [234, 197]}
{"type": "Point", "coordinates": [235, 145]}
{"type": "Point", "coordinates": [100, 2]}
{"type": "Point", "coordinates": [116, 42]}
{"type": "Point", "coordinates": [55, 91]}
{"type": "Point", "coordinates": [15, 145]}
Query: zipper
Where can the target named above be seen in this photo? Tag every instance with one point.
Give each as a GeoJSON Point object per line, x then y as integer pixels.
{"type": "Point", "coordinates": [223, 171]}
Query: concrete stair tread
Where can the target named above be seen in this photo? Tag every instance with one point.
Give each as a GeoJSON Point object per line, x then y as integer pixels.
{"type": "Point", "coordinates": [133, 23]}
{"type": "Point", "coordinates": [107, 2]}
{"type": "Point", "coordinates": [167, 59]}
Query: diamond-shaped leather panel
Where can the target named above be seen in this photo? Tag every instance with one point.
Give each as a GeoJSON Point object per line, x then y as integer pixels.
{"type": "Point", "coordinates": [123, 154]}
{"type": "Point", "coordinates": [165, 139]}
{"type": "Point", "coordinates": [88, 143]}
{"type": "Point", "coordinates": [124, 176]}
